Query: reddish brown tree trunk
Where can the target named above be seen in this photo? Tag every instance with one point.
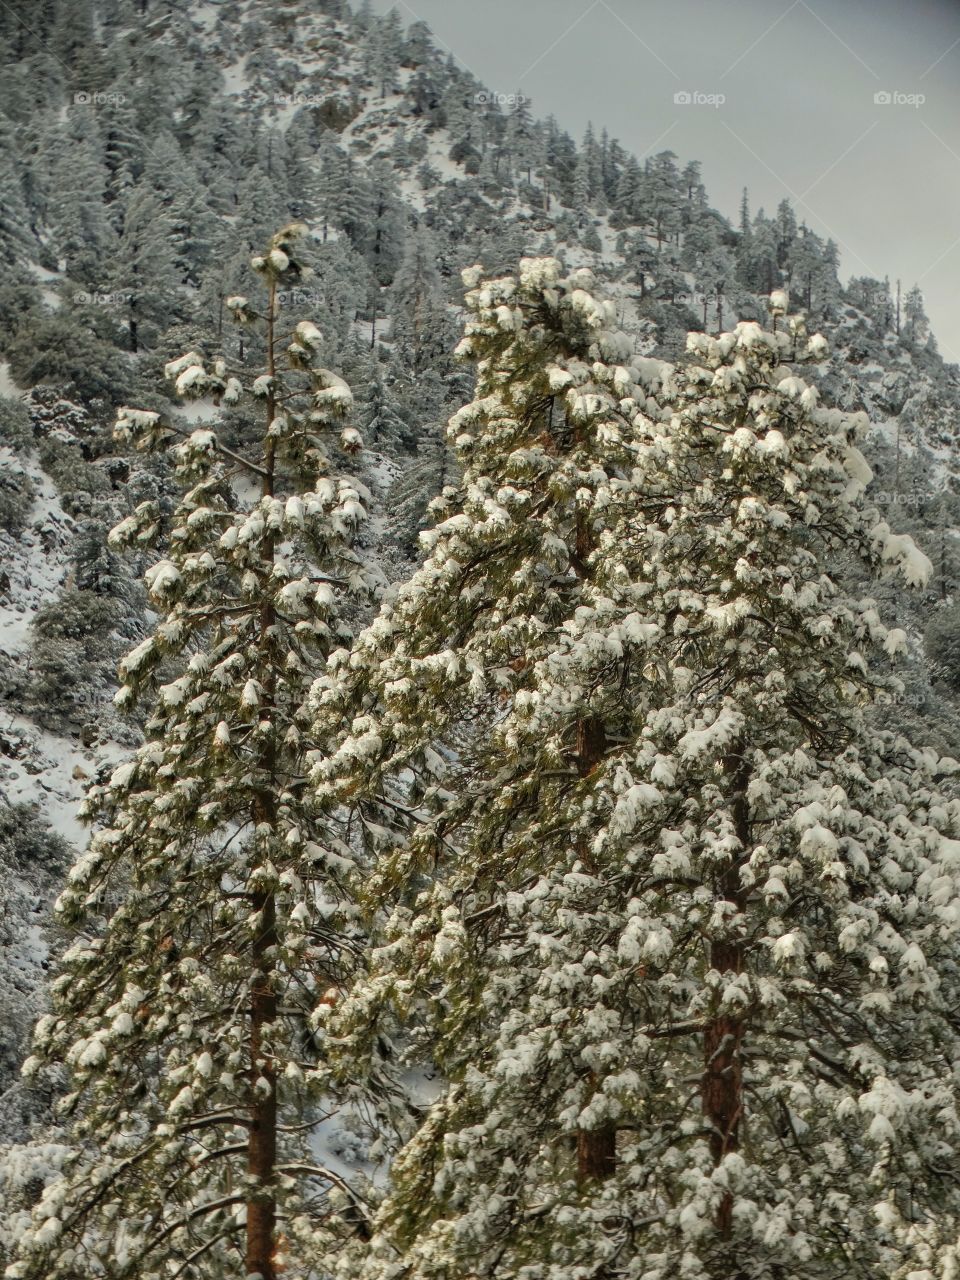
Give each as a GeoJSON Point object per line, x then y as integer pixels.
{"type": "Point", "coordinates": [723, 1078]}
{"type": "Point", "coordinates": [262, 1140]}
{"type": "Point", "coordinates": [722, 1088]}
{"type": "Point", "coordinates": [596, 1148]}
{"type": "Point", "coordinates": [591, 744]}
{"type": "Point", "coordinates": [596, 1154]}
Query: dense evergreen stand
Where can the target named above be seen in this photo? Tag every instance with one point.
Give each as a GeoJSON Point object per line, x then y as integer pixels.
{"type": "Point", "coordinates": [678, 926]}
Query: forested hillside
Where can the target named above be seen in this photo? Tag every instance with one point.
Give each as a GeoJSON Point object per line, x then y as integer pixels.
{"type": "Point", "coordinates": [149, 149]}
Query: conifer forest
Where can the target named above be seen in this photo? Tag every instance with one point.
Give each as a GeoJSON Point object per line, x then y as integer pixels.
{"type": "Point", "coordinates": [479, 681]}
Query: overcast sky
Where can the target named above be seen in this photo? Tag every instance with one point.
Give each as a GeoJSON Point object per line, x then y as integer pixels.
{"type": "Point", "coordinates": [799, 116]}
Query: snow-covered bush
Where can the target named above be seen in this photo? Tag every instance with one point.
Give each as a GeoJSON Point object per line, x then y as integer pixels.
{"type": "Point", "coordinates": [16, 497]}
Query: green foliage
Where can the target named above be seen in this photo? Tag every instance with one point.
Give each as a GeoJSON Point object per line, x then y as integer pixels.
{"type": "Point", "coordinates": [941, 642]}
{"type": "Point", "coordinates": [28, 845]}
{"type": "Point", "coordinates": [20, 308]}
{"type": "Point", "coordinates": [78, 481]}
{"type": "Point", "coordinates": [59, 351]}
{"type": "Point", "coordinates": [72, 657]}
{"type": "Point", "coordinates": [423, 478]}
{"type": "Point", "coordinates": [16, 498]}
{"type": "Point", "coordinates": [15, 429]}
{"type": "Point", "coordinates": [32, 859]}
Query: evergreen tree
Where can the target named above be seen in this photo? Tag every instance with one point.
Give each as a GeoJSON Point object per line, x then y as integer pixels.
{"type": "Point", "coordinates": [261, 204]}
{"type": "Point", "coordinates": [340, 196]}
{"type": "Point", "coordinates": [804, 264]}
{"type": "Point", "coordinates": [744, 247]}
{"type": "Point", "coordinates": [381, 412]}
{"type": "Point", "coordinates": [15, 238]}
{"type": "Point", "coordinates": [418, 46]}
{"type": "Point", "coordinates": [692, 183]}
{"type": "Point", "coordinates": [423, 479]}
{"type": "Point", "coordinates": [72, 654]}
{"type": "Point", "coordinates": [144, 270]}
{"type": "Point", "coordinates": [916, 326]}
{"type": "Point", "coordinates": [123, 148]}
{"type": "Point", "coordinates": [873, 297]}
{"type": "Point", "coordinates": [829, 290]}
{"type": "Point", "coordinates": [662, 197]}
{"type": "Point", "coordinates": [520, 137]}
{"type": "Point", "coordinates": [82, 233]}
{"type": "Point", "coordinates": [536, 446]}
{"type": "Point", "coordinates": [713, 273]}
{"type": "Point", "coordinates": [72, 28]}
{"type": "Point", "coordinates": [419, 315]}
{"type": "Point", "coordinates": [627, 205]}
{"type": "Point", "coordinates": [591, 239]}
{"type": "Point", "coordinates": [32, 861]}
{"type": "Point", "coordinates": [762, 255]}
{"type": "Point", "coordinates": [381, 233]}
{"type": "Point", "coordinates": [192, 225]}
{"type": "Point", "coordinates": [383, 49]}
{"type": "Point", "coordinates": [209, 906]}
{"type": "Point", "coordinates": [786, 221]}
{"type": "Point", "coordinates": [641, 258]}
{"type": "Point", "coordinates": [688, 965]}
{"type": "Point", "coordinates": [593, 161]}
{"type": "Point", "coordinates": [581, 190]}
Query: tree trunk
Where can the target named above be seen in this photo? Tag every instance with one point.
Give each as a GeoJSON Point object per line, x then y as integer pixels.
{"type": "Point", "coordinates": [722, 1088]}
{"type": "Point", "coordinates": [591, 744]}
{"type": "Point", "coordinates": [723, 1077]}
{"type": "Point", "coordinates": [596, 1154]}
{"type": "Point", "coordinates": [262, 1139]}
{"type": "Point", "coordinates": [596, 1148]}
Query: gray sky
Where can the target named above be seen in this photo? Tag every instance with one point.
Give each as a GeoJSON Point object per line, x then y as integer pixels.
{"type": "Point", "coordinates": [799, 117]}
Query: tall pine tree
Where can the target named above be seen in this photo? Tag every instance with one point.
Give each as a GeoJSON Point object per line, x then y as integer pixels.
{"type": "Point", "coordinates": [209, 908]}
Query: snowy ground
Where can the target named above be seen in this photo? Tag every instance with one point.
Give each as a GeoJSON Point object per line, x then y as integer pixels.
{"type": "Point", "coordinates": [7, 385]}
{"type": "Point", "coordinates": [36, 766]}
{"type": "Point", "coordinates": [37, 562]}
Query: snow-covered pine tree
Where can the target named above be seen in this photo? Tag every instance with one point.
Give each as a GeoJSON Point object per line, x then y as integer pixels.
{"type": "Point", "coordinates": [209, 907]}
{"type": "Point", "coordinates": [916, 326]}
{"type": "Point", "coordinates": [15, 237]}
{"type": "Point", "coordinates": [144, 270]}
{"type": "Point", "coordinates": [418, 312]}
{"type": "Point", "coordinates": [77, 214]}
{"type": "Point", "coordinates": [423, 478]}
{"type": "Point", "coordinates": [379, 410]}
{"type": "Point", "coordinates": [545, 461]}
{"type": "Point", "coordinates": [689, 964]}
